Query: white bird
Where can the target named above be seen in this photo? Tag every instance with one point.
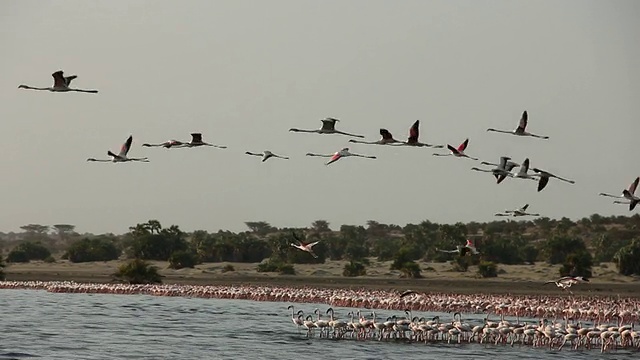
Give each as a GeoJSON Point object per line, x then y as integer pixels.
{"type": "Point", "coordinates": [567, 281]}
{"type": "Point", "coordinates": [520, 130]}
{"type": "Point", "coordinates": [167, 144]}
{"type": "Point", "coordinates": [266, 155]}
{"type": "Point", "coordinates": [122, 155]}
{"type": "Point", "coordinates": [459, 152]}
{"type": "Point", "coordinates": [304, 247]}
{"type": "Point", "coordinates": [517, 212]}
{"type": "Point", "coordinates": [60, 84]}
{"type": "Point", "coordinates": [463, 250]}
{"type": "Point", "coordinates": [196, 140]}
{"type": "Point", "coordinates": [328, 127]}
{"type": "Point", "coordinates": [414, 134]}
{"type": "Point", "coordinates": [340, 154]}
{"type": "Point", "coordinates": [501, 171]}
{"type": "Point", "coordinates": [628, 194]}
{"type": "Point", "coordinates": [544, 178]}
{"type": "Point", "coordinates": [523, 173]}
{"type": "Point", "coordinates": [386, 139]}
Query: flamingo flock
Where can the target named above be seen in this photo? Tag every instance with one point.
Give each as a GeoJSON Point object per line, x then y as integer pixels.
{"type": "Point", "coordinates": [501, 171]}
{"type": "Point", "coordinates": [555, 322]}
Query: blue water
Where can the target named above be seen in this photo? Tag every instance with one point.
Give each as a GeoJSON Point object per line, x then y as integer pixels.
{"type": "Point", "coordinates": [38, 324]}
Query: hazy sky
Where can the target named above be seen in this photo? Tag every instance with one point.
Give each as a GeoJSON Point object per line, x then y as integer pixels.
{"type": "Point", "coordinates": [244, 72]}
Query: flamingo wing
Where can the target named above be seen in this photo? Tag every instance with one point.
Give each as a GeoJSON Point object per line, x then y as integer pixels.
{"type": "Point", "coordinates": [386, 135]}
{"type": "Point", "coordinates": [125, 147]}
{"type": "Point", "coordinates": [310, 245]}
{"type": "Point", "coordinates": [544, 180]}
{"type": "Point", "coordinates": [58, 79]}
{"type": "Point", "coordinates": [329, 124]}
{"type": "Point", "coordinates": [523, 122]}
{"type": "Point", "coordinates": [463, 146]}
{"type": "Point", "coordinates": [414, 132]}
{"type": "Point", "coordinates": [524, 208]}
{"type": "Point", "coordinates": [525, 165]}
{"type": "Point", "coordinates": [196, 137]}
{"type": "Point", "coordinates": [335, 157]}
{"type": "Point", "coordinates": [452, 149]}
{"type": "Point", "coordinates": [634, 185]}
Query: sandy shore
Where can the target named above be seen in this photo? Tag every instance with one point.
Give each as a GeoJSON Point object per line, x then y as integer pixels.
{"type": "Point", "coordinates": [514, 279]}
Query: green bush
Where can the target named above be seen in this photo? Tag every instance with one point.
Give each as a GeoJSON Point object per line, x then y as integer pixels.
{"type": "Point", "coordinates": [228, 268]}
{"type": "Point", "coordinates": [461, 263]}
{"type": "Point", "coordinates": [577, 264]}
{"type": "Point", "coordinates": [28, 251]}
{"type": "Point", "coordinates": [2, 265]}
{"type": "Point", "coordinates": [411, 269]}
{"type": "Point", "coordinates": [17, 256]}
{"type": "Point", "coordinates": [354, 268]}
{"type": "Point", "coordinates": [138, 271]}
{"type": "Point", "coordinates": [50, 259]}
{"type": "Point", "coordinates": [628, 259]}
{"type": "Point", "coordinates": [487, 269]}
{"type": "Point", "coordinates": [88, 250]}
{"type": "Point", "coordinates": [182, 259]}
{"type": "Point", "coordinates": [276, 266]}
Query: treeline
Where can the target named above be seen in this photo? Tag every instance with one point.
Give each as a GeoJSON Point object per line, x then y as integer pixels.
{"type": "Point", "coordinates": [574, 245]}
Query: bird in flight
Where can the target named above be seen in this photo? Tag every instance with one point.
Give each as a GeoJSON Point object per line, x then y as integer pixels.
{"type": "Point", "coordinates": [501, 171]}
{"type": "Point", "coordinates": [386, 139]}
{"type": "Point", "coordinates": [167, 144]}
{"type": "Point", "coordinates": [304, 246]}
{"type": "Point", "coordinates": [196, 140]}
{"type": "Point", "coordinates": [628, 194]}
{"type": "Point", "coordinates": [60, 84]}
{"type": "Point", "coordinates": [328, 127]}
{"type": "Point", "coordinates": [517, 212]}
{"type": "Point", "coordinates": [567, 281]}
{"type": "Point", "coordinates": [521, 129]}
{"type": "Point", "coordinates": [122, 155]}
{"type": "Point", "coordinates": [414, 134]}
{"type": "Point", "coordinates": [468, 248]}
{"type": "Point", "coordinates": [545, 176]}
{"type": "Point", "coordinates": [266, 155]}
{"type": "Point", "coordinates": [339, 155]}
{"type": "Point", "coordinates": [459, 151]}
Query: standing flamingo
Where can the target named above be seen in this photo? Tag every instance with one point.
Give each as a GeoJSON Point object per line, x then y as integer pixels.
{"type": "Point", "coordinates": [520, 130]}
{"type": "Point", "coordinates": [328, 127]}
{"type": "Point", "coordinates": [386, 139]}
{"type": "Point", "coordinates": [340, 154]}
{"type": "Point", "coordinates": [266, 155]}
{"type": "Point", "coordinates": [544, 178]}
{"type": "Point", "coordinates": [459, 152]}
{"type": "Point", "coordinates": [60, 84]}
{"type": "Point", "coordinates": [122, 155]}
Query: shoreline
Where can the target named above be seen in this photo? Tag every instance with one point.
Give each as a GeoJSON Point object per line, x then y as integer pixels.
{"type": "Point", "coordinates": [324, 276]}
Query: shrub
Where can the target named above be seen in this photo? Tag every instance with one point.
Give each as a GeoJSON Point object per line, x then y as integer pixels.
{"type": "Point", "coordinates": [354, 268]}
{"type": "Point", "coordinates": [2, 265]}
{"type": "Point", "coordinates": [276, 266]}
{"type": "Point", "coordinates": [17, 256]}
{"type": "Point", "coordinates": [411, 269]}
{"type": "Point", "coordinates": [628, 259]}
{"type": "Point", "coordinates": [50, 259]}
{"type": "Point", "coordinates": [138, 271]}
{"type": "Point", "coordinates": [460, 264]}
{"type": "Point", "coordinates": [577, 264]}
{"type": "Point", "coordinates": [487, 269]}
{"type": "Point", "coordinates": [88, 250]}
{"type": "Point", "coordinates": [228, 268]}
{"type": "Point", "coordinates": [182, 259]}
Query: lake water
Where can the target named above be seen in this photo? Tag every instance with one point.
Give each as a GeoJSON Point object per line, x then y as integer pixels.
{"type": "Point", "coordinates": [38, 324]}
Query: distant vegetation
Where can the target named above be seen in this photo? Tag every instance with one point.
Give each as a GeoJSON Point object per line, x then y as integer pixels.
{"type": "Point", "coordinates": [576, 246]}
{"type": "Point", "coordinates": [2, 275]}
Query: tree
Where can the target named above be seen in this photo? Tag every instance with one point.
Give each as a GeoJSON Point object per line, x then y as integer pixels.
{"type": "Point", "coordinates": [577, 263]}
{"type": "Point", "coordinates": [406, 265]}
{"type": "Point", "coordinates": [320, 226]}
{"type": "Point", "coordinates": [558, 248]}
{"type": "Point", "coordinates": [182, 259]}
{"type": "Point", "coordinates": [28, 251]}
{"type": "Point", "coordinates": [160, 245]}
{"type": "Point", "coordinates": [354, 268]}
{"type": "Point", "coordinates": [35, 229]}
{"type": "Point", "coordinates": [96, 249]}
{"type": "Point", "coordinates": [64, 230]}
{"type": "Point", "coordinates": [2, 266]}
{"type": "Point", "coordinates": [487, 269]}
{"type": "Point", "coordinates": [260, 228]}
{"type": "Point", "coordinates": [138, 271]}
{"type": "Point", "coordinates": [628, 259]}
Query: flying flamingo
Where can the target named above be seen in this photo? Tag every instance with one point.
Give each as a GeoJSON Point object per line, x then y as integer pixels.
{"type": "Point", "coordinates": [520, 130]}
{"type": "Point", "coordinates": [60, 84]}
{"type": "Point", "coordinates": [340, 154]}
{"type": "Point", "coordinates": [628, 194]}
{"type": "Point", "coordinates": [387, 138]}
{"type": "Point", "coordinates": [468, 248]}
{"type": "Point", "coordinates": [196, 140]}
{"type": "Point", "coordinates": [544, 178]}
{"type": "Point", "coordinates": [502, 171]}
{"type": "Point", "coordinates": [459, 152]}
{"type": "Point", "coordinates": [122, 156]}
{"type": "Point", "coordinates": [266, 155]}
{"type": "Point", "coordinates": [304, 247]}
{"type": "Point", "coordinates": [328, 127]}
{"type": "Point", "coordinates": [517, 212]}
{"type": "Point", "coordinates": [167, 144]}
{"type": "Point", "coordinates": [414, 133]}
{"type": "Point", "coordinates": [567, 281]}
{"type": "Point", "coordinates": [523, 173]}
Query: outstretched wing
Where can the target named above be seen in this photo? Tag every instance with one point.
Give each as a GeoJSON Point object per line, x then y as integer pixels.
{"type": "Point", "coordinates": [414, 132]}
{"type": "Point", "coordinates": [524, 208]}
{"type": "Point", "coordinates": [448, 251]}
{"type": "Point", "coordinates": [58, 79]}
{"type": "Point", "coordinates": [523, 122]}
{"type": "Point", "coordinates": [407, 293]}
{"type": "Point", "coordinates": [634, 185]}
{"type": "Point", "coordinates": [329, 124]}
{"type": "Point", "coordinates": [386, 135]}
{"type": "Point", "coordinates": [464, 145]}
{"type": "Point", "coordinates": [544, 180]}
{"type": "Point", "coordinates": [125, 147]}
{"type": "Point", "coordinates": [313, 244]}
{"type": "Point", "coordinates": [196, 137]}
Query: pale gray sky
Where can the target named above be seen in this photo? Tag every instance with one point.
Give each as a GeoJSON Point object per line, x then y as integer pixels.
{"type": "Point", "coordinates": [244, 72]}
